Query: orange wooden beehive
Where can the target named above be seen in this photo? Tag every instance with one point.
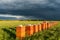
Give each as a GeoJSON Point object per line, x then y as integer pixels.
{"type": "Point", "coordinates": [56, 22]}
{"type": "Point", "coordinates": [39, 27]}
{"type": "Point", "coordinates": [20, 31]}
{"type": "Point", "coordinates": [43, 26]}
{"type": "Point", "coordinates": [35, 28]}
{"type": "Point", "coordinates": [29, 30]}
{"type": "Point", "coordinates": [52, 23]}
{"type": "Point", "coordinates": [48, 25]}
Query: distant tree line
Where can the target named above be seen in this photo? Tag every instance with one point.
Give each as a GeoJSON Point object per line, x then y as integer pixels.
{"type": "Point", "coordinates": [30, 20]}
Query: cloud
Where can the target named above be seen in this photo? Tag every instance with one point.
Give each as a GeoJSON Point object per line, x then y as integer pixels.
{"type": "Point", "coordinates": [26, 4]}
{"type": "Point", "coordinates": [12, 16]}
{"type": "Point", "coordinates": [45, 9]}
{"type": "Point", "coordinates": [7, 15]}
{"type": "Point", "coordinates": [16, 17]}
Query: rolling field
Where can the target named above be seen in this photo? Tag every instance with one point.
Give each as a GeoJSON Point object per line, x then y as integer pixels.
{"type": "Point", "coordinates": [8, 31]}
{"type": "Point", "coordinates": [51, 34]}
{"type": "Point", "coordinates": [7, 28]}
{"type": "Point", "coordinates": [15, 23]}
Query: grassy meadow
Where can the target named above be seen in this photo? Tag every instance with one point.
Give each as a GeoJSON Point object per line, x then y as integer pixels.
{"type": "Point", "coordinates": [8, 31]}
{"type": "Point", "coordinates": [15, 23]}
{"type": "Point", "coordinates": [7, 28]}
{"type": "Point", "coordinates": [51, 34]}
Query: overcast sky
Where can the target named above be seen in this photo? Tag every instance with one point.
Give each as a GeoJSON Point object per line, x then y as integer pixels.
{"type": "Point", "coordinates": [30, 9]}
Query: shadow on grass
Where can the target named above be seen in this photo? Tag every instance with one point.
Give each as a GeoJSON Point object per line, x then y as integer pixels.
{"type": "Point", "coordinates": [9, 31]}
{"type": "Point", "coordinates": [50, 34]}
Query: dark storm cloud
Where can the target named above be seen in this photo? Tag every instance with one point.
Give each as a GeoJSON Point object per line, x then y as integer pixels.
{"type": "Point", "coordinates": [44, 9]}
{"type": "Point", "coordinates": [27, 4]}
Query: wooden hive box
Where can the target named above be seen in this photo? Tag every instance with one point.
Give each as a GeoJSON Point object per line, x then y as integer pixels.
{"type": "Point", "coordinates": [35, 28]}
{"type": "Point", "coordinates": [43, 26]}
{"type": "Point", "coordinates": [20, 31]}
{"type": "Point", "coordinates": [39, 27]}
{"type": "Point", "coordinates": [29, 30]}
{"type": "Point", "coordinates": [48, 25]}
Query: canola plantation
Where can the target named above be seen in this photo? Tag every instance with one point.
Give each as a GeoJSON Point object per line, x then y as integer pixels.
{"type": "Point", "coordinates": [8, 28]}
{"type": "Point", "coordinates": [8, 31]}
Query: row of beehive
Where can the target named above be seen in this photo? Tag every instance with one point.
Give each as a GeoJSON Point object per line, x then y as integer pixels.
{"type": "Point", "coordinates": [23, 31]}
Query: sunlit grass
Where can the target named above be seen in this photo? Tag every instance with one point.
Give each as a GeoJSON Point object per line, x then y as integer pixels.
{"type": "Point", "coordinates": [12, 24]}
{"type": "Point", "coordinates": [16, 23]}
{"type": "Point", "coordinates": [51, 34]}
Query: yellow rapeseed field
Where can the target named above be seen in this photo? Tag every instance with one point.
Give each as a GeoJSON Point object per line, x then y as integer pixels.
{"type": "Point", "coordinates": [16, 23]}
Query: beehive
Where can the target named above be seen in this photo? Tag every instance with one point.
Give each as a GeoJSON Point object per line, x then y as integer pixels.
{"type": "Point", "coordinates": [20, 31]}
{"type": "Point", "coordinates": [39, 27]}
{"type": "Point", "coordinates": [43, 26]}
{"type": "Point", "coordinates": [48, 25]}
{"type": "Point", "coordinates": [35, 28]}
{"type": "Point", "coordinates": [29, 30]}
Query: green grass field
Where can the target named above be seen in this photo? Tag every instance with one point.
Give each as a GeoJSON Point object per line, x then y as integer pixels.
{"type": "Point", "coordinates": [8, 31]}
{"type": "Point", "coordinates": [7, 28]}
{"type": "Point", "coordinates": [16, 23]}
{"type": "Point", "coordinates": [51, 34]}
